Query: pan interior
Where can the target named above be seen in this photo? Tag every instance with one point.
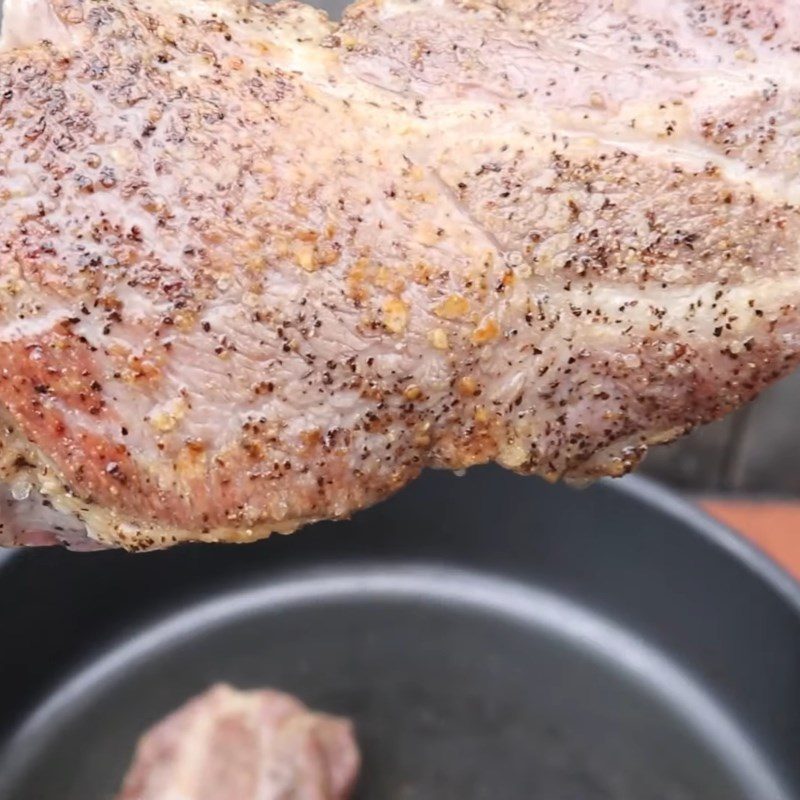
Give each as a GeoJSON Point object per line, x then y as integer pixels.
{"type": "Point", "coordinates": [461, 684]}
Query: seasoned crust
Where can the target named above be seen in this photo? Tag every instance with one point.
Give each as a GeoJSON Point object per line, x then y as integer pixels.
{"type": "Point", "coordinates": [257, 269]}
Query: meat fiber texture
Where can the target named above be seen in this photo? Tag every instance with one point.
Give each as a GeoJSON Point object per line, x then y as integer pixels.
{"type": "Point", "coordinates": [233, 745]}
{"type": "Point", "coordinates": [258, 268]}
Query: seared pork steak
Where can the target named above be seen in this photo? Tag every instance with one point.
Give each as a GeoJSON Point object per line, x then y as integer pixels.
{"type": "Point", "coordinates": [232, 745]}
{"type": "Point", "coordinates": [258, 268]}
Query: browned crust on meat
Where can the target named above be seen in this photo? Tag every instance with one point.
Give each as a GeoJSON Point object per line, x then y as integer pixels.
{"type": "Point", "coordinates": [253, 273]}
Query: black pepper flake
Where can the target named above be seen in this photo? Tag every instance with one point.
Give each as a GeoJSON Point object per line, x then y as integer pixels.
{"type": "Point", "coordinates": [115, 471]}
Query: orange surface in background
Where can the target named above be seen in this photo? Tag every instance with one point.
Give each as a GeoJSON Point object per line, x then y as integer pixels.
{"type": "Point", "coordinates": [773, 526]}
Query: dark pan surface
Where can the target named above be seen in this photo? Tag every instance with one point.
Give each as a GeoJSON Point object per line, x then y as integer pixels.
{"type": "Point", "coordinates": [491, 636]}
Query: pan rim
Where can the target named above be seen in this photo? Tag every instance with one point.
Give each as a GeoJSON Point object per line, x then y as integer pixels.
{"type": "Point", "coordinates": [646, 662]}
{"type": "Point", "coordinates": [729, 540]}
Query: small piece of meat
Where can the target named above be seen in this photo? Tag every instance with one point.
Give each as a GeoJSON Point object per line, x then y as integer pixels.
{"type": "Point", "coordinates": [232, 745]}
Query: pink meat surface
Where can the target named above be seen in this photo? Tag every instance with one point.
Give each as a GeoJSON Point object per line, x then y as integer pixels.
{"type": "Point", "coordinates": [233, 745]}
{"type": "Point", "coordinates": [258, 268]}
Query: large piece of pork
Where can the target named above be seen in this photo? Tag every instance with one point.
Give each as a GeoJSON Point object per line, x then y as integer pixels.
{"type": "Point", "coordinates": [258, 268]}
{"type": "Point", "coordinates": [231, 745]}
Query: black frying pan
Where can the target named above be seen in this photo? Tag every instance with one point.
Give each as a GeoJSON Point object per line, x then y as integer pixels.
{"type": "Point", "coordinates": [491, 636]}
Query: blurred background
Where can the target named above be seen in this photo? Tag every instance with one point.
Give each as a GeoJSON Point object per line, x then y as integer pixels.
{"type": "Point", "coordinates": [753, 452]}
{"type": "Point", "coordinates": [744, 471]}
